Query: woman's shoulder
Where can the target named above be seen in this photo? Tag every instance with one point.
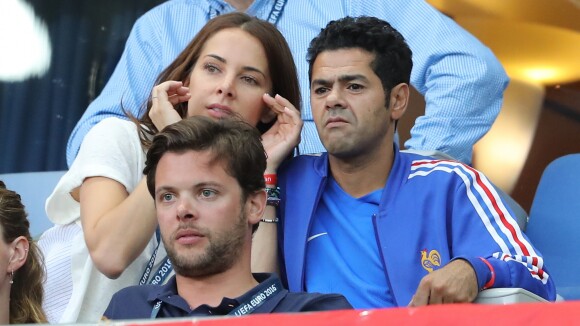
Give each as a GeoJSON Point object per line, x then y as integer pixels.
{"type": "Point", "coordinates": [115, 122]}
{"type": "Point", "coordinates": [112, 128]}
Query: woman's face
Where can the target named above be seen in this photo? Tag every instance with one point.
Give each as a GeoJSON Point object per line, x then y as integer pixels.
{"type": "Point", "coordinates": [230, 76]}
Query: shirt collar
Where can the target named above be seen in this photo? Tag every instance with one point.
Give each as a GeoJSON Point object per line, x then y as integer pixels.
{"type": "Point", "coordinates": [260, 278]}
{"type": "Point", "coordinates": [168, 293]}
{"type": "Point", "coordinates": [258, 8]}
{"type": "Point", "coordinates": [163, 291]}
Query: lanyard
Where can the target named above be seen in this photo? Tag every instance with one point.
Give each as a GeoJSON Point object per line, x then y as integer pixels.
{"type": "Point", "coordinates": [271, 288]}
{"type": "Point", "coordinates": [276, 11]}
{"type": "Point", "coordinates": [273, 17]}
{"type": "Point", "coordinates": [162, 272]}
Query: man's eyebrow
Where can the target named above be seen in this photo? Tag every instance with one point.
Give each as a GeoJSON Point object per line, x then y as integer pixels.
{"type": "Point", "coordinates": [341, 78]}
{"type": "Point", "coordinates": [199, 185]}
{"type": "Point", "coordinates": [245, 68]}
{"type": "Point", "coordinates": [162, 189]}
{"type": "Point", "coordinates": [348, 78]}
{"type": "Point", "coordinates": [208, 184]}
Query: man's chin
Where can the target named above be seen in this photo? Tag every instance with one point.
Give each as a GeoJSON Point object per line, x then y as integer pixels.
{"type": "Point", "coordinates": [196, 270]}
{"type": "Point", "coordinates": [198, 265]}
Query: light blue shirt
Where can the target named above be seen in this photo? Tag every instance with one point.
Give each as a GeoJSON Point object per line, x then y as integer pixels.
{"type": "Point", "coordinates": [461, 80]}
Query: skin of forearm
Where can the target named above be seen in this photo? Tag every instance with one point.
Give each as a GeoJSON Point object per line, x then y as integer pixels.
{"type": "Point", "coordinates": [117, 237]}
{"type": "Point", "coordinates": [265, 245]}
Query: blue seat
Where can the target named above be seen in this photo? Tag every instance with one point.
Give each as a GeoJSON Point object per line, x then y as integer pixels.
{"type": "Point", "coordinates": [34, 188]}
{"type": "Point", "coordinates": [554, 224]}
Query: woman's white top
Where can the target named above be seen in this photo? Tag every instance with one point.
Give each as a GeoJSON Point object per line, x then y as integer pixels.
{"type": "Point", "coordinates": [81, 293]}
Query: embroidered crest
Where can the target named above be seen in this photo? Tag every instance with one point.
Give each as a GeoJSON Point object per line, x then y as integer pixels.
{"type": "Point", "coordinates": [430, 261]}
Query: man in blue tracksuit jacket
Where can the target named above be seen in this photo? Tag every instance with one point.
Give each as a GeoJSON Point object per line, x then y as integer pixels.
{"type": "Point", "coordinates": [383, 227]}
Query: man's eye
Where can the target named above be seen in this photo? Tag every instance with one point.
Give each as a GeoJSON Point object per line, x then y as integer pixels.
{"type": "Point", "coordinates": [207, 193]}
{"type": "Point", "coordinates": [355, 87]}
{"type": "Point", "coordinates": [167, 197]}
{"type": "Point", "coordinates": [320, 90]}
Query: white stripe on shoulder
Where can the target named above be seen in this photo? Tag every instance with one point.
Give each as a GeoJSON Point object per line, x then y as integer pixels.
{"type": "Point", "coordinates": [316, 236]}
{"type": "Point", "coordinates": [499, 217]}
{"type": "Point", "coordinates": [488, 197]}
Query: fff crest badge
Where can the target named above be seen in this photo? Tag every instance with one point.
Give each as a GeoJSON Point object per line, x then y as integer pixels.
{"type": "Point", "coordinates": [430, 261]}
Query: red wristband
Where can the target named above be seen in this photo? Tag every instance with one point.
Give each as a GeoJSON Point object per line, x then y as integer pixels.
{"type": "Point", "coordinates": [271, 179]}
{"type": "Point", "coordinates": [492, 279]}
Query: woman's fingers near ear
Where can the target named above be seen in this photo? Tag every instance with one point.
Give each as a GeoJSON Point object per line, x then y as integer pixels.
{"type": "Point", "coordinates": [284, 110]}
{"type": "Point", "coordinates": [170, 90]}
{"type": "Point", "coordinates": [272, 103]}
{"type": "Point", "coordinates": [284, 102]}
{"type": "Point", "coordinates": [161, 91]}
{"type": "Point", "coordinates": [268, 116]}
{"type": "Point", "coordinates": [177, 98]}
{"type": "Point", "coordinates": [164, 98]}
{"type": "Point", "coordinates": [279, 103]}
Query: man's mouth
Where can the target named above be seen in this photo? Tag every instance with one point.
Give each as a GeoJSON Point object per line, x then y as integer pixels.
{"type": "Point", "coordinates": [335, 121]}
{"type": "Point", "coordinates": [188, 236]}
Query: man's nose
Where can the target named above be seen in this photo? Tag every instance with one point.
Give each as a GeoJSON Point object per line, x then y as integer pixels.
{"type": "Point", "coordinates": [185, 209]}
{"type": "Point", "coordinates": [334, 99]}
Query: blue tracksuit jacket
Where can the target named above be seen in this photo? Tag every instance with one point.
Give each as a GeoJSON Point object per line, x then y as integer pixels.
{"type": "Point", "coordinates": [431, 211]}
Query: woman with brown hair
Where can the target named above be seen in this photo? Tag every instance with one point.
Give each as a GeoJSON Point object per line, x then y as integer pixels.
{"type": "Point", "coordinates": [21, 266]}
{"type": "Point", "coordinates": [106, 234]}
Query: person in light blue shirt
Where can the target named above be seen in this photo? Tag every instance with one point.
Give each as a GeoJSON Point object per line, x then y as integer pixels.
{"type": "Point", "coordinates": [461, 80]}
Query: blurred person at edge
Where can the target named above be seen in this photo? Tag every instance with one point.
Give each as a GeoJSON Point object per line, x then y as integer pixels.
{"type": "Point", "coordinates": [21, 265]}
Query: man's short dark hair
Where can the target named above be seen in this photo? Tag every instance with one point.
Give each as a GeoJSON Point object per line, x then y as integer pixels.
{"type": "Point", "coordinates": [233, 142]}
{"type": "Point", "coordinates": [392, 63]}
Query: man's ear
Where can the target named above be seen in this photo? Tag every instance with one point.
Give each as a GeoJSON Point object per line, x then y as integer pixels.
{"type": "Point", "coordinates": [399, 100]}
{"type": "Point", "coordinates": [18, 253]}
{"type": "Point", "coordinates": [255, 206]}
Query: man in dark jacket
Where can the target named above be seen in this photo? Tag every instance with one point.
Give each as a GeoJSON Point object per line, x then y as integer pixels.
{"type": "Point", "coordinates": [207, 180]}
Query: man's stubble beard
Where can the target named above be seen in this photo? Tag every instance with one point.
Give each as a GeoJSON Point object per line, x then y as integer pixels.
{"type": "Point", "coordinates": [221, 253]}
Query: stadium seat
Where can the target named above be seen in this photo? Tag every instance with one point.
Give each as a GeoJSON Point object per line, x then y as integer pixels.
{"type": "Point", "coordinates": [554, 225]}
{"type": "Point", "coordinates": [34, 188]}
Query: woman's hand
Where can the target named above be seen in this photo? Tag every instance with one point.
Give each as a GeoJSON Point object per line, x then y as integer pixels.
{"type": "Point", "coordinates": [284, 135]}
{"type": "Point", "coordinates": [163, 99]}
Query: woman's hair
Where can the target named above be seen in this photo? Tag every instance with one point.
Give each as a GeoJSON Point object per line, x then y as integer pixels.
{"type": "Point", "coordinates": [26, 293]}
{"type": "Point", "coordinates": [280, 64]}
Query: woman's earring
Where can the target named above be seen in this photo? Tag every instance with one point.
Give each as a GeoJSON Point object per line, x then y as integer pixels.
{"type": "Point", "coordinates": [11, 277]}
